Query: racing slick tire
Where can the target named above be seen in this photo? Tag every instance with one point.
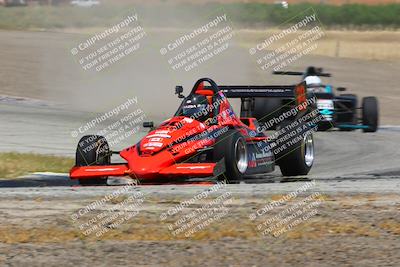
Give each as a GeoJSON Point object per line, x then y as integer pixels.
{"type": "Point", "coordinates": [93, 150]}
{"type": "Point", "coordinates": [353, 118]}
{"type": "Point", "coordinates": [266, 109]}
{"type": "Point", "coordinates": [370, 114]}
{"type": "Point", "coordinates": [297, 157]}
{"type": "Point", "coordinates": [233, 148]}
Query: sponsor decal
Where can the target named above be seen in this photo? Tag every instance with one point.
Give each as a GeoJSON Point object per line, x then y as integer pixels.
{"type": "Point", "coordinates": [162, 132]}
{"type": "Point", "coordinates": [158, 135]}
{"type": "Point", "coordinates": [252, 162]}
{"type": "Point", "coordinates": [193, 167]}
{"type": "Point", "coordinates": [264, 154]}
{"type": "Point", "coordinates": [101, 170]}
{"type": "Point", "coordinates": [188, 120]}
{"type": "Point", "coordinates": [325, 104]}
{"type": "Point", "coordinates": [153, 144]}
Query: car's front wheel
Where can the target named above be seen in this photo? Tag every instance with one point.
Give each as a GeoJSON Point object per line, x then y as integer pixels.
{"type": "Point", "coordinates": [93, 150]}
{"type": "Point", "coordinates": [370, 114]}
{"type": "Point", "coordinates": [233, 148]}
{"type": "Point", "coordinates": [300, 160]}
{"type": "Point", "coordinates": [294, 149]}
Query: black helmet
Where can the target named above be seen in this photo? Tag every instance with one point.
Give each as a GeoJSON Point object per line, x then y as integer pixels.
{"type": "Point", "coordinates": [196, 107]}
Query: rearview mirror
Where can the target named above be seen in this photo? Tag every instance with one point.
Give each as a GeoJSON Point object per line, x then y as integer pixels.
{"type": "Point", "coordinates": [179, 91]}
{"type": "Point", "coordinates": [341, 89]}
{"type": "Point", "coordinates": [148, 124]}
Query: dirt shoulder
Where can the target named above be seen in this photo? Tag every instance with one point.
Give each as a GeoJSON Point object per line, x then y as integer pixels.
{"type": "Point", "coordinates": [348, 229]}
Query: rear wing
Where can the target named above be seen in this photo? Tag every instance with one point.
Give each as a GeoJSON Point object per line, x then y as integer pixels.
{"type": "Point", "coordinates": [316, 72]}
{"type": "Point", "coordinates": [290, 95]}
{"type": "Point", "coordinates": [242, 91]}
{"type": "Point", "coordinates": [292, 73]}
{"type": "Point", "coordinates": [296, 92]}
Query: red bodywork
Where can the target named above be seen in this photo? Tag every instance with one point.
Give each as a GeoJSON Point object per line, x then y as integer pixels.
{"type": "Point", "coordinates": [181, 147]}
{"type": "Point", "coordinates": [164, 152]}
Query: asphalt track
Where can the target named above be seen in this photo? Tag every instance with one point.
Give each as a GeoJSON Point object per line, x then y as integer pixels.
{"type": "Point", "coordinates": [339, 155]}
{"type": "Point", "coordinates": [43, 68]}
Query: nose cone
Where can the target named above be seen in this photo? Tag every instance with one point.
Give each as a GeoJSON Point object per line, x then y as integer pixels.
{"type": "Point", "coordinates": [173, 130]}
{"type": "Point", "coordinates": [147, 166]}
{"type": "Point", "coordinates": [155, 141]}
{"type": "Point", "coordinates": [154, 154]}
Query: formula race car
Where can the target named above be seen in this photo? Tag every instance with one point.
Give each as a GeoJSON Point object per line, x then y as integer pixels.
{"type": "Point", "coordinates": [206, 139]}
{"type": "Point", "coordinates": [338, 111]}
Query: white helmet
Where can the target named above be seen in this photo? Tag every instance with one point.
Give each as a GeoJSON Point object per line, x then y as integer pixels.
{"type": "Point", "coordinates": [315, 80]}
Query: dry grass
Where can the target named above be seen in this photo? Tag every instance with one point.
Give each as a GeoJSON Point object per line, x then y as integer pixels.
{"type": "Point", "coordinates": [152, 232]}
{"type": "Point", "coordinates": [317, 229]}
{"type": "Point", "coordinates": [313, 229]}
{"type": "Point", "coordinates": [391, 226]}
{"type": "Point", "coordinates": [147, 226]}
{"type": "Point", "coordinates": [371, 45]}
{"type": "Point", "coordinates": [16, 164]}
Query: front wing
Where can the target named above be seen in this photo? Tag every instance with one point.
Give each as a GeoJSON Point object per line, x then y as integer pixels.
{"type": "Point", "coordinates": [176, 170]}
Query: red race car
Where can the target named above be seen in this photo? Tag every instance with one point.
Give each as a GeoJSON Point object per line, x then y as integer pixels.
{"type": "Point", "coordinates": [206, 139]}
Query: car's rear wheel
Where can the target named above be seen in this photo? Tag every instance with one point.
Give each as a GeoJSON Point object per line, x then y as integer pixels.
{"type": "Point", "coordinates": [266, 109]}
{"type": "Point", "coordinates": [370, 114]}
{"type": "Point", "coordinates": [233, 148]}
{"type": "Point", "coordinates": [93, 150]}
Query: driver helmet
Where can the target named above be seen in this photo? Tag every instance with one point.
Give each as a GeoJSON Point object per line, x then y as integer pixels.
{"type": "Point", "coordinates": [313, 80]}
{"type": "Point", "coordinates": [196, 107]}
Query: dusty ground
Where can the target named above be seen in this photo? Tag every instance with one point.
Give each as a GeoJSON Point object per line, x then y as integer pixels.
{"type": "Point", "coordinates": [40, 65]}
{"type": "Point", "coordinates": [357, 222]}
{"type": "Point", "coordinates": [36, 229]}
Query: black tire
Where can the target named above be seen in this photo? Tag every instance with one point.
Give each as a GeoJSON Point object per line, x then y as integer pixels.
{"type": "Point", "coordinates": [266, 109]}
{"type": "Point", "coordinates": [370, 114]}
{"type": "Point", "coordinates": [298, 156]}
{"type": "Point", "coordinates": [232, 147]}
{"type": "Point", "coordinates": [93, 150]}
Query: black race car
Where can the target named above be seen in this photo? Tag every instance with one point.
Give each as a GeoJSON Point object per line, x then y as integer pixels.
{"type": "Point", "coordinates": [342, 111]}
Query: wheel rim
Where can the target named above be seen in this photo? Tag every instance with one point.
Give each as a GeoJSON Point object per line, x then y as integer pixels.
{"type": "Point", "coordinates": [309, 150]}
{"type": "Point", "coordinates": [241, 155]}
